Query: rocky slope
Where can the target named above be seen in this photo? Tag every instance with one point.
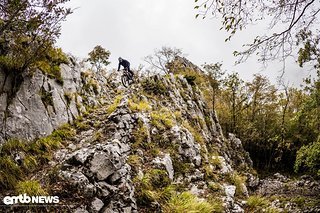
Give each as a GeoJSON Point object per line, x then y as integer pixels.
{"type": "Point", "coordinates": [154, 147]}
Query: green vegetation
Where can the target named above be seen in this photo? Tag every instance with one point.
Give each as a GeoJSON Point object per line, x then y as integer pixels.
{"type": "Point", "coordinates": [140, 136]}
{"type": "Point", "coordinates": [154, 87]}
{"type": "Point", "coordinates": [256, 203]}
{"type": "Point", "coordinates": [33, 155]}
{"type": "Point", "coordinates": [308, 158]}
{"type": "Point", "coordinates": [99, 57]}
{"type": "Point", "coordinates": [151, 187]}
{"type": "Point", "coordinates": [46, 97]}
{"type": "Point", "coordinates": [238, 181]}
{"type": "Point", "coordinates": [30, 187]}
{"type": "Point", "coordinates": [51, 64]}
{"type": "Point", "coordinates": [27, 38]}
{"type": "Point", "coordinates": [162, 119]}
{"type": "Point", "coordinates": [136, 105]}
{"type": "Point", "coordinates": [114, 105]}
{"type": "Point", "coordinates": [186, 202]}
{"type": "Point", "coordinates": [195, 132]}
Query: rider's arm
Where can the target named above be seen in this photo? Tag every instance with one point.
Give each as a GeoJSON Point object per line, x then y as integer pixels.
{"type": "Point", "coordinates": [119, 67]}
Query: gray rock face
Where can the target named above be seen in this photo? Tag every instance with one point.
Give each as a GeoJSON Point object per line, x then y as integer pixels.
{"type": "Point", "coordinates": [167, 163]}
{"type": "Point", "coordinates": [188, 147]}
{"type": "Point", "coordinates": [102, 166]}
{"type": "Point", "coordinates": [40, 104]}
{"type": "Point", "coordinates": [98, 171]}
{"type": "Point", "coordinates": [96, 205]}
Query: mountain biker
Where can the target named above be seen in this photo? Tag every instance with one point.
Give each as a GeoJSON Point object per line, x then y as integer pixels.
{"type": "Point", "coordinates": [125, 64]}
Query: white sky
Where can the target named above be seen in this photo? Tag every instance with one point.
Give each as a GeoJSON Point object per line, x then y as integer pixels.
{"type": "Point", "coordinates": [132, 29]}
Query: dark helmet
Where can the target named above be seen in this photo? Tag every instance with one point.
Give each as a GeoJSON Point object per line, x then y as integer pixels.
{"type": "Point", "coordinates": [120, 59]}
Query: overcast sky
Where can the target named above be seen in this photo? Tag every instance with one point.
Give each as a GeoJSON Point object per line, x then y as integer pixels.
{"type": "Point", "coordinates": [132, 29]}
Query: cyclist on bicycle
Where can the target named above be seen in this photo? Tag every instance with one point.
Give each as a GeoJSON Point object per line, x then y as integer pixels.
{"type": "Point", "coordinates": [125, 64]}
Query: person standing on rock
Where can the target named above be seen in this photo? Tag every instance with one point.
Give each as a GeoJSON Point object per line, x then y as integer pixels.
{"type": "Point", "coordinates": [125, 64]}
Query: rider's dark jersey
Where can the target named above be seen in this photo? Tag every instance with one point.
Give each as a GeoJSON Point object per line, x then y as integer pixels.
{"type": "Point", "coordinates": [125, 64]}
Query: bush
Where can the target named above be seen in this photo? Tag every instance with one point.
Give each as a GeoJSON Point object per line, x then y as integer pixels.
{"type": "Point", "coordinates": [115, 104]}
{"type": "Point", "coordinates": [33, 155]}
{"type": "Point", "coordinates": [308, 158]}
{"type": "Point", "coordinates": [186, 202]}
{"type": "Point", "coordinates": [154, 87]}
{"type": "Point", "coordinates": [256, 203]}
{"type": "Point", "coordinates": [162, 119]}
{"type": "Point", "coordinates": [30, 187]}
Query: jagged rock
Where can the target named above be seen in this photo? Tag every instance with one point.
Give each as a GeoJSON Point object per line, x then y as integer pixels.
{"type": "Point", "coordinates": [239, 156]}
{"type": "Point", "coordinates": [102, 166]}
{"type": "Point", "coordinates": [167, 163]}
{"type": "Point", "coordinates": [188, 147]}
{"type": "Point", "coordinates": [96, 204]}
{"type": "Point", "coordinates": [230, 190]}
{"type": "Point", "coordinates": [81, 209]}
{"type": "Point", "coordinates": [252, 181]}
{"type": "Point", "coordinates": [224, 166]}
{"type": "Point", "coordinates": [75, 178]}
{"type": "Point", "coordinates": [42, 104]}
{"type": "Point", "coordinates": [81, 155]}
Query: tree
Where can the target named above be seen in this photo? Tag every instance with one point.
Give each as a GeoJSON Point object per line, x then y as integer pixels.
{"type": "Point", "coordinates": [28, 28]}
{"type": "Point", "coordinates": [99, 57]}
{"type": "Point", "coordinates": [235, 98]}
{"type": "Point", "coordinates": [215, 75]}
{"type": "Point", "coordinates": [161, 58]}
{"type": "Point", "coordinates": [292, 23]}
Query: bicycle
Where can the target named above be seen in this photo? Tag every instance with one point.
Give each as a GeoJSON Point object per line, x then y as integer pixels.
{"type": "Point", "coordinates": [126, 78]}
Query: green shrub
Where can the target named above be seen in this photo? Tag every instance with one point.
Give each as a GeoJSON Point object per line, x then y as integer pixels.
{"type": "Point", "coordinates": [308, 158]}
{"type": "Point", "coordinates": [154, 87]}
{"type": "Point", "coordinates": [256, 203]}
{"type": "Point", "coordinates": [115, 104]}
{"type": "Point", "coordinates": [186, 202]}
{"type": "Point", "coordinates": [238, 181]}
{"type": "Point", "coordinates": [10, 172]}
{"type": "Point", "coordinates": [162, 119]}
{"type": "Point", "coordinates": [12, 145]}
{"type": "Point", "coordinates": [30, 187]}
{"type": "Point", "coordinates": [51, 64]}
{"type": "Point", "coordinates": [140, 106]}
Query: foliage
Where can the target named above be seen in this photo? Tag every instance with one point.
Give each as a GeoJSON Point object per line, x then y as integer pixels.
{"type": "Point", "coordinates": [32, 155]}
{"type": "Point", "coordinates": [140, 136]}
{"type": "Point", "coordinates": [50, 64]}
{"type": "Point", "coordinates": [289, 25]}
{"type": "Point", "coordinates": [256, 203]}
{"type": "Point", "coordinates": [154, 87]}
{"type": "Point", "coordinates": [186, 202]}
{"type": "Point", "coordinates": [28, 30]}
{"type": "Point", "coordinates": [161, 58]}
{"type": "Point", "coordinates": [238, 181]}
{"type": "Point", "coordinates": [136, 105]}
{"type": "Point", "coordinates": [115, 104]}
{"type": "Point", "coordinates": [154, 185]}
{"type": "Point", "coordinates": [308, 158]}
{"type": "Point", "coordinates": [162, 119]}
{"type": "Point", "coordinates": [30, 187]}
{"type": "Point", "coordinates": [99, 57]}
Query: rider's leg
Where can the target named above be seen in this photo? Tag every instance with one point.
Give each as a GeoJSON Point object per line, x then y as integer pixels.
{"type": "Point", "coordinates": [131, 73]}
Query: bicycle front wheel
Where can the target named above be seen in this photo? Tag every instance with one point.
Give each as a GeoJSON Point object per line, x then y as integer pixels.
{"type": "Point", "coordinates": [125, 80]}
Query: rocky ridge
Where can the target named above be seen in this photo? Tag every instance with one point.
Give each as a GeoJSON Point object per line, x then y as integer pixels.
{"type": "Point", "coordinates": [148, 147]}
